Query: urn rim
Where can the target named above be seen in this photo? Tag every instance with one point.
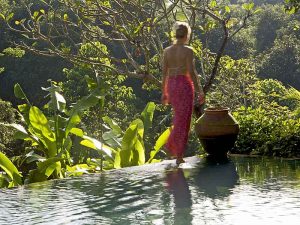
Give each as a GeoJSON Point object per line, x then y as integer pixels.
{"type": "Point", "coordinates": [216, 109]}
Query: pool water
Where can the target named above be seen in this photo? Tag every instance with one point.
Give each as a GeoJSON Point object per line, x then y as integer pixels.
{"type": "Point", "coordinates": [242, 190]}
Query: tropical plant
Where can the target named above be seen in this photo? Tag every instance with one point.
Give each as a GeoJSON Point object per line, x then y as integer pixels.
{"type": "Point", "coordinates": [128, 147]}
{"type": "Point", "coordinates": [50, 136]}
{"type": "Point", "coordinates": [11, 176]}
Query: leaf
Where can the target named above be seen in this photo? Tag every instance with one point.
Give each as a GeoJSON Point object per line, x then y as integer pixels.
{"type": "Point", "coordinates": [140, 153]}
{"type": "Point", "coordinates": [24, 108]}
{"type": "Point", "coordinates": [78, 132]}
{"type": "Point", "coordinates": [9, 17]}
{"type": "Point", "coordinates": [180, 16]}
{"type": "Point", "coordinates": [78, 169]}
{"type": "Point", "coordinates": [213, 4]}
{"type": "Point", "coordinates": [111, 138]}
{"type": "Point", "coordinates": [35, 14]}
{"type": "Point", "coordinates": [161, 141]}
{"type": "Point", "coordinates": [48, 166]}
{"type": "Point", "coordinates": [32, 157]}
{"type": "Point", "coordinates": [92, 84]}
{"type": "Point", "coordinates": [251, 5]}
{"type": "Point", "coordinates": [227, 9]}
{"type": "Point", "coordinates": [117, 161]}
{"type": "Point", "coordinates": [97, 145]}
{"type": "Point", "coordinates": [40, 122]}
{"type": "Point", "coordinates": [291, 10]}
{"type": "Point", "coordinates": [257, 11]}
{"type": "Point", "coordinates": [59, 127]}
{"type": "Point", "coordinates": [147, 115]}
{"type": "Point", "coordinates": [248, 6]}
{"type": "Point", "coordinates": [10, 170]}
{"type": "Point", "coordinates": [60, 101]}
{"type": "Point", "coordinates": [88, 144]}
{"type": "Point", "coordinates": [40, 128]}
{"type": "Point", "coordinates": [4, 181]}
{"type": "Point", "coordinates": [83, 104]}
{"type": "Point", "coordinates": [112, 124]}
{"type": "Point", "coordinates": [140, 127]}
{"type": "Point", "coordinates": [57, 101]}
{"type": "Point", "coordinates": [66, 17]}
{"type": "Point", "coordinates": [19, 93]}
{"type": "Point", "coordinates": [128, 144]}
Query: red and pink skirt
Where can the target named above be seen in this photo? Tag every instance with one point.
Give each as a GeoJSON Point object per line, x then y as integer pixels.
{"type": "Point", "coordinates": [180, 94]}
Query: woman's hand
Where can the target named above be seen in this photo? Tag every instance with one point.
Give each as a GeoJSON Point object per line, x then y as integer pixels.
{"type": "Point", "coordinates": [201, 98]}
{"type": "Point", "coordinates": [164, 99]}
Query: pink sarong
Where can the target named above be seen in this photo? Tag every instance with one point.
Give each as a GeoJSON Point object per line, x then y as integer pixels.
{"type": "Point", "coordinates": [180, 93]}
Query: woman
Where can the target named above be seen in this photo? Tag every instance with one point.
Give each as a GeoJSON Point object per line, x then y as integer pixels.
{"type": "Point", "coordinates": [179, 79]}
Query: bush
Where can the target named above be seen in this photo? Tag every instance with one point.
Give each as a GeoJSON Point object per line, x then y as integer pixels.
{"type": "Point", "coordinates": [268, 131]}
{"type": "Point", "coordinates": [7, 115]}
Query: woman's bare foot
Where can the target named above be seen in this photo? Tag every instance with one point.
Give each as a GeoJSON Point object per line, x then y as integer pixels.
{"type": "Point", "coordinates": [179, 160]}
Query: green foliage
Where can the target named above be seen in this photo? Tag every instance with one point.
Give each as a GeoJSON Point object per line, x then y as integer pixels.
{"type": "Point", "coordinates": [282, 61]}
{"type": "Point", "coordinates": [14, 52]}
{"type": "Point", "coordinates": [269, 21]}
{"type": "Point", "coordinates": [293, 95]}
{"type": "Point", "coordinates": [129, 146]}
{"type": "Point", "coordinates": [7, 143]}
{"type": "Point", "coordinates": [292, 6]}
{"type": "Point", "coordinates": [232, 83]}
{"type": "Point", "coordinates": [267, 131]}
{"type": "Point", "coordinates": [118, 96]}
{"type": "Point", "coordinates": [51, 134]}
{"type": "Point", "coordinates": [269, 126]}
{"type": "Point", "coordinates": [262, 93]}
{"type": "Point", "coordinates": [12, 176]}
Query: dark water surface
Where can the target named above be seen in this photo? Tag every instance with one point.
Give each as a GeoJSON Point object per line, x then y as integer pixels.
{"type": "Point", "coordinates": [243, 190]}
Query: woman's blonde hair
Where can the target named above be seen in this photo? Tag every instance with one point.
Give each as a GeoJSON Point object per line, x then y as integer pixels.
{"type": "Point", "coordinates": [182, 29]}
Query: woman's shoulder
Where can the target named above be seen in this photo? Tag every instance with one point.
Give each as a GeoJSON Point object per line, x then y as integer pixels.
{"type": "Point", "coordinates": [189, 48]}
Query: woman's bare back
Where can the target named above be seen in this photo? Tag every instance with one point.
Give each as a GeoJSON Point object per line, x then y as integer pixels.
{"type": "Point", "coordinates": [176, 57]}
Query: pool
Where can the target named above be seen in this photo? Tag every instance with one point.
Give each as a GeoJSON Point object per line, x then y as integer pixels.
{"type": "Point", "coordinates": [242, 190]}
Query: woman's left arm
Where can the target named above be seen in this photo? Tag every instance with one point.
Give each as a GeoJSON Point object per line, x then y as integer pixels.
{"type": "Point", "coordinates": [164, 97]}
{"type": "Point", "coordinates": [195, 77]}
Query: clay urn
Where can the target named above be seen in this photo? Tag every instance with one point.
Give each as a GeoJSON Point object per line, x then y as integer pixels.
{"type": "Point", "coordinates": [217, 131]}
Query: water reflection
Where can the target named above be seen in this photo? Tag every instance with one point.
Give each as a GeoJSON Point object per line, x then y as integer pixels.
{"type": "Point", "coordinates": [205, 191]}
{"type": "Point", "coordinates": [215, 177]}
{"type": "Point", "coordinates": [179, 188]}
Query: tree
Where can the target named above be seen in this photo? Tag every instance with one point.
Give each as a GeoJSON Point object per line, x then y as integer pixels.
{"type": "Point", "coordinates": [139, 30]}
{"type": "Point", "coordinates": [282, 61]}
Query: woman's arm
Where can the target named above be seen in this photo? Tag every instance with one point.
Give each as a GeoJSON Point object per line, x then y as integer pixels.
{"type": "Point", "coordinates": [164, 97]}
{"type": "Point", "coordinates": [194, 75]}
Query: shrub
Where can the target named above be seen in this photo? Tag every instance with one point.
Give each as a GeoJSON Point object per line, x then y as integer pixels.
{"type": "Point", "coordinates": [268, 131]}
{"type": "Point", "coordinates": [7, 143]}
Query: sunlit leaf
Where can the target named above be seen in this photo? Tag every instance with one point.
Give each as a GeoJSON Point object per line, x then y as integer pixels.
{"type": "Point", "coordinates": [97, 145]}
{"type": "Point", "coordinates": [227, 9]}
{"type": "Point", "coordinates": [147, 115]}
{"type": "Point", "coordinates": [78, 132]}
{"type": "Point", "coordinates": [10, 170]}
{"type": "Point", "coordinates": [161, 141]}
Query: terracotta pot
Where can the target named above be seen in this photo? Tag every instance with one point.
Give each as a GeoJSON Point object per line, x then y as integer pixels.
{"type": "Point", "coordinates": [217, 131]}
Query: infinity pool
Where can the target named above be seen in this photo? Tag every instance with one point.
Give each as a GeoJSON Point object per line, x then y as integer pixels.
{"type": "Point", "coordinates": [242, 190]}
